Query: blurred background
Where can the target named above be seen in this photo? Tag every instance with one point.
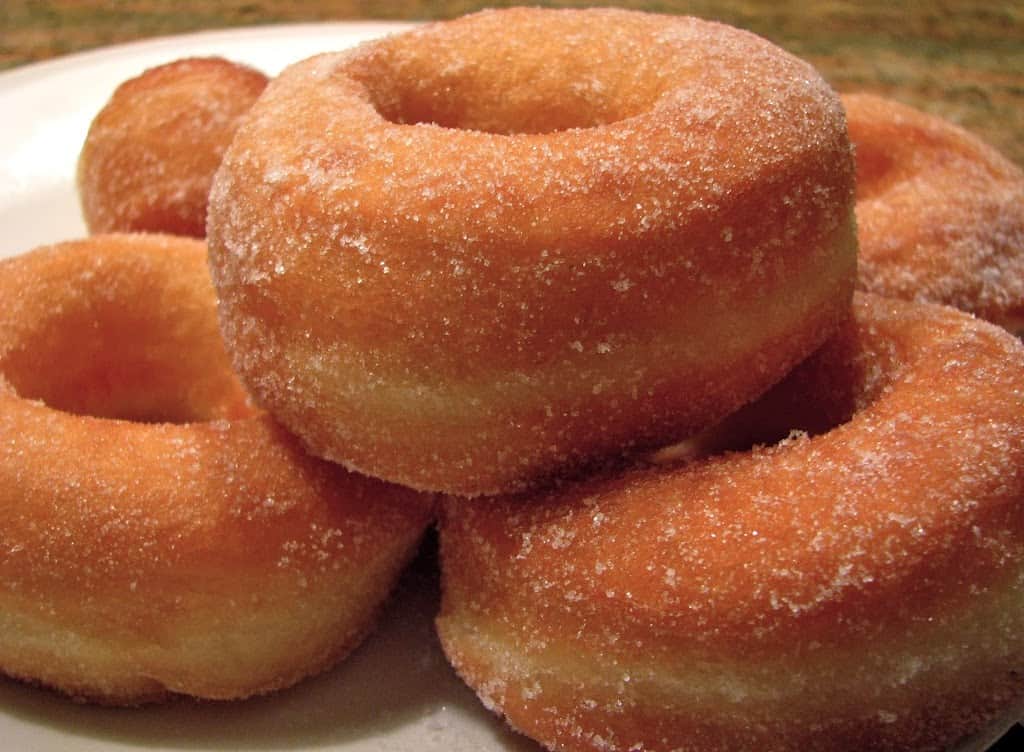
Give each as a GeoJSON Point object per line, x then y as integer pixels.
{"type": "Point", "coordinates": [961, 59]}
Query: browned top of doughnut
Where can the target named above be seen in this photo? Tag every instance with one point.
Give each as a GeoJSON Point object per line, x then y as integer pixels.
{"type": "Point", "coordinates": [940, 214]}
{"type": "Point", "coordinates": [444, 182]}
{"type": "Point", "coordinates": [544, 235]}
{"type": "Point", "coordinates": [141, 498]}
{"type": "Point", "coordinates": [151, 152]}
{"type": "Point", "coordinates": [889, 518]}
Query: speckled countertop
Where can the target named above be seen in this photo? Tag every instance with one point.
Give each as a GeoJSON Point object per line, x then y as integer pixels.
{"type": "Point", "coordinates": [961, 59]}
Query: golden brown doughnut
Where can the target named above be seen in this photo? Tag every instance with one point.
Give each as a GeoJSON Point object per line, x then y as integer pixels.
{"type": "Point", "coordinates": [487, 250]}
{"type": "Point", "coordinates": [940, 214]}
{"type": "Point", "coordinates": [149, 158]}
{"type": "Point", "coordinates": [861, 589]}
{"type": "Point", "coordinates": [157, 534]}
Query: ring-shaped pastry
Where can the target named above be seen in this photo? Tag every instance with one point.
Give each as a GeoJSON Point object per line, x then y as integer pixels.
{"type": "Point", "coordinates": [861, 588]}
{"type": "Point", "coordinates": [159, 535]}
{"type": "Point", "coordinates": [485, 251]}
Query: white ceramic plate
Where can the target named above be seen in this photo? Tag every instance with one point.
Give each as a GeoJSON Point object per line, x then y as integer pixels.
{"type": "Point", "coordinates": [396, 693]}
{"type": "Point", "coordinates": [48, 107]}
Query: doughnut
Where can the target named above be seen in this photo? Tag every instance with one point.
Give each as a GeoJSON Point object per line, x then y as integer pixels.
{"type": "Point", "coordinates": [851, 587]}
{"type": "Point", "coordinates": [158, 535]}
{"type": "Point", "coordinates": [501, 249]}
{"type": "Point", "coordinates": [150, 154]}
{"type": "Point", "coordinates": [940, 214]}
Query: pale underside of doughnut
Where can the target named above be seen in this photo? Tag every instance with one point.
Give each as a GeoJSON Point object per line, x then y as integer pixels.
{"type": "Point", "coordinates": [940, 214]}
{"type": "Point", "coordinates": [861, 588]}
{"type": "Point", "coordinates": [157, 534]}
{"type": "Point", "coordinates": [437, 274]}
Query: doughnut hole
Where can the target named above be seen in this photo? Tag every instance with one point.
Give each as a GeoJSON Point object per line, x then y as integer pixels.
{"type": "Point", "coordinates": [873, 170]}
{"type": "Point", "coordinates": [466, 81]}
{"type": "Point", "coordinates": [821, 394]}
{"type": "Point", "coordinates": [894, 144]}
{"type": "Point", "coordinates": [886, 156]}
{"type": "Point", "coordinates": [125, 343]}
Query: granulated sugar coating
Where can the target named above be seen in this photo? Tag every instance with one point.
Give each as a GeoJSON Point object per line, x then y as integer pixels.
{"type": "Point", "coordinates": [859, 588]}
{"type": "Point", "coordinates": [149, 158]}
{"type": "Point", "coordinates": [159, 535]}
{"type": "Point", "coordinates": [940, 215]}
{"type": "Point", "coordinates": [486, 251]}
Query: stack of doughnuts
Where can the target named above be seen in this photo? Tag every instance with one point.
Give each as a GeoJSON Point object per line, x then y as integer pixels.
{"type": "Point", "coordinates": [590, 276]}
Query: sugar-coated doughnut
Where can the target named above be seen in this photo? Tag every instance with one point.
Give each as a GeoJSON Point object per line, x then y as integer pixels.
{"type": "Point", "coordinates": [940, 214]}
{"type": "Point", "coordinates": [157, 534]}
{"type": "Point", "coordinates": [473, 255]}
{"type": "Point", "coordinates": [150, 154]}
{"type": "Point", "coordinates": [861, 588]}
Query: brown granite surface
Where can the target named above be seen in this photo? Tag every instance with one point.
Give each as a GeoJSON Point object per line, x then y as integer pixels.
{"type": "Point", "coordinates": [962, 59]}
